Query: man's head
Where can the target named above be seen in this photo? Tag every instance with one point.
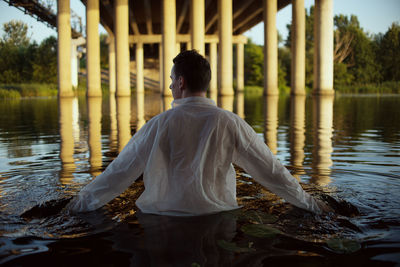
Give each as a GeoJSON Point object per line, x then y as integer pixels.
{"type": "Point", "coordinates": [191, 71]}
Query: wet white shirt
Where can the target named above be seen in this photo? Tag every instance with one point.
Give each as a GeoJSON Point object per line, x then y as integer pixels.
{"type": "Point", "coordinates": [186, 156]}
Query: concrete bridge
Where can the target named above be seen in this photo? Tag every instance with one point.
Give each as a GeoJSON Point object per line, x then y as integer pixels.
{"type": "Point", "coordinates": [205, 25]}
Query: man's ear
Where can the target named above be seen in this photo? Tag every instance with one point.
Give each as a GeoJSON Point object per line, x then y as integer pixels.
{"type": "Point", "coordinates": [182, 83]}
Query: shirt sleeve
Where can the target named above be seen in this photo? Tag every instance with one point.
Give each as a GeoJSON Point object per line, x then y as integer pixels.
{"type": "Point", "coordinates": [119, 175]}
{"type": "Point", "coordinates": [254, 156]}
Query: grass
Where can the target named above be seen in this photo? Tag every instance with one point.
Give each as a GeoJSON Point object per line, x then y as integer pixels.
{"type": "Point", "coordinates": [390, 87]}
{"type": "Point", "coordinates": [27, 90]}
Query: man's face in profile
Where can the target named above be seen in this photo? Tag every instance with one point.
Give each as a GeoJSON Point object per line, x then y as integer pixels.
{"type": "Point", "coordinates": [176, 84]}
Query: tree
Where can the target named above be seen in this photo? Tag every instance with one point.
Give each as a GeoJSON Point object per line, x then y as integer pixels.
{"type": "Point", "coordinates": [253, 64]}
{"type": "Point", "coordinates": [388, 53]}
{"type": "Point", "coordinates": [15, 34]}
{"type": "Point", "coordinates": [45, 62]}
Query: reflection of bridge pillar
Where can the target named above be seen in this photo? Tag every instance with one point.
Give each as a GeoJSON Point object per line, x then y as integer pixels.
{"type": "Point", "coordinates": [271, 122]}
{"type": "Point", "coordinates": [167, 100]}
{"type": "Point", "coordinates": [94, 140]}
{"type": "Point", "coordinates": [323, 47]}
{"type": "Point", "coordinates": [66, 112]}
{"type": "Point", "coordinates": [111, 64]}
{"type": "Point", "coordinates": [240, 66]}
{"type": "Point", "coordinates": [122, 47]}
{"type": "Point", "coordinates": [226, 102]}
{"type": "Point", "coordinates": [160, 58]}
{"type": "Point", "coordinates": [64, 49]}
{"type": "Point", "coordinates": [123, 121]}
{"type": "Point", "coordinates": [93, 48]}
{"type": "Point", "coordinates": [113, 123]}
{"type": "Point", "coordinates": [213, 66]}
{"type": "Point", "coordinates": [197, 25]}
{"type": "Point", "coordinates": [169, 41]}
{"type": "Point", "coordinates": [270, 48]}
{"type": "Point", "coordinates": [240, 104]}
{"type": "Point", "coordinates": [225, 47]}
{"type": "Point", "coordinates": [323, 121]}
{"type": "Point", "coordinates": [297, 137]}
{"type": "Point", "coordinates": [140, 111]}
{"type": "Point", "coordinates": [298, 48]}
{"type": "Point", "coordinates": [139, 68]}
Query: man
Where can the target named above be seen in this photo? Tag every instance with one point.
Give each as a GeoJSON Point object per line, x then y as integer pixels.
{"type": "Point", "coordinates": [186, 156]}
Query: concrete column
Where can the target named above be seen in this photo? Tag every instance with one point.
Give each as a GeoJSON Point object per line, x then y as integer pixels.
{"type": "Point", "coordinates": [240, 104]}
{"type": "Point", "coordinates": [64, 49]}
{"type": "Point", "coordinates": [113, 124]}
{"type": "Point", "coordinates": [225, 47]}
{"type": "Point", "coordinates": [169, 41]}
{"type": "Point", "coordinates": [240, 66]}
{"type": "Point", "coordinates": [213, 66]}
{"type": "Point", "coordinates": [93, 48]}
{"type": "Point", "coordinates": [160, 55]}
{"type": "Point", "coordinates": [323, 47]}
{"type": "Point", "coordinates": [111, 64]}
{"type": "Point", "coordinates": [178, 48]}
{"type": "Point", "coordinates": [140, 121]}
{"type": "Point", "coordinates": [74, 65]}
{"type": "Point", "coordinates": [197, 25]}
{"type": "Point", "coordinates": [298, 48]}
{"type": "Point", "coordinates": [139, 69]}
{"type": "Point", "coordinates": [122, 47]}
{"type": "Point", "coordinates": [270, 48]}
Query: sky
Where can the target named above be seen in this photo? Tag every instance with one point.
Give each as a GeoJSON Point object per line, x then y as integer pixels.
{"type": "Point", "coordinates": [375, 16]}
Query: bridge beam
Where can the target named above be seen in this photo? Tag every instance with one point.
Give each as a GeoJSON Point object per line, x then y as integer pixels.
{"type": "Point", "coordinates": [323, 47]}
{"type": "Point", "coordinates": [64, 49]}
{"type": "Point", "coordinates": [93, 48]}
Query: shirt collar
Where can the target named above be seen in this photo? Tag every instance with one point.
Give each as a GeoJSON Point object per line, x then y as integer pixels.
{"type": "Point", "coordinates": [192, 100]}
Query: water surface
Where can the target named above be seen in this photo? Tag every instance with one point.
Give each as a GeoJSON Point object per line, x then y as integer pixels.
{"type": "Point", "coordinates": [345, 146]}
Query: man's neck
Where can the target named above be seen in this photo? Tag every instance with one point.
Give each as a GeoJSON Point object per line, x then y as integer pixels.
{"type": "Point", "coordinates": [187, 93]}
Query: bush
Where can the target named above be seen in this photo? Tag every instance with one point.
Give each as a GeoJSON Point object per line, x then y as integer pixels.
{"type": "Point", "coordinates": [5, 93]}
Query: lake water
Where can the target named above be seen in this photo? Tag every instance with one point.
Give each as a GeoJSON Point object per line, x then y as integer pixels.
{"type": "Point", "coordinates": [344, 146]}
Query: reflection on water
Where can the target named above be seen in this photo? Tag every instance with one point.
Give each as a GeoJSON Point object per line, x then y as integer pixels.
{"type": "Point", "coordinates": [94, 138]}
{"type": "Point", "coordinates": [123, 121]}
{"type": "Point", "coordinates": [271, 122]}
{"type": "Point", "coordinates": [323, 121]}
{"type": "Point", "coordinates": [50, 149]}
{"type": "Point", "coordinates": [297, 133]}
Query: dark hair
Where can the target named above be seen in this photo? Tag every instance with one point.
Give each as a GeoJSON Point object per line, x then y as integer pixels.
{"type": "Point", "coordinates": [194, 68]}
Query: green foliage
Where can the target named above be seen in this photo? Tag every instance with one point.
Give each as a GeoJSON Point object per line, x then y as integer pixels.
{"type": "Point", "coordinates": [388, 53]}
{"type": "Point", "coordinates": [28, 90]}
{"type": "Point", "coordinates": [253, 64]}
{"type": "Point", "coordinates": [45, 63]}
{"type": "Point", "coordinates": [103, 51]}
{"type": "Point", "coordinates": [15, 34]}
{"type": "Point", "coordinates": [4, 93]}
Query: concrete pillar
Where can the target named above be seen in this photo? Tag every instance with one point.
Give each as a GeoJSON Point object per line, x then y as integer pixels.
{"type": "Point", "coordinates": [240, 66]}
{"type": "Point", "coordinates": [140, 121]}
{"type": "Point", "coordinates": [93, 48]}
{"type": "Point", "coordinates": [270, 48]}
{"type": "Point", "coordinates": [323, 47]}
{"type": "Point", "coordinates": [197, 25]}
{"type": "Point", "coordinates": [161, 57]}
{"type": "Point", "coordinates": [213, 66]}
{"type": "Point", "coordinates": [111, 64]}
{"type": "Point", "coordinates": [226, 102]}
{"type": "Point", "coordinates": [298, 48]}
{"type": "Point", "coordinates": [74, 65]}
{"type": "Point", "coordinates": [178, 48]}
{"type": "Point", "coordinates": [113, 124]}
{"type": "Point", "coordinates": [64, 49]}
{"type": "Point", "coordinates": [122, 47]}
{"type": "Point", "coordinates": [225, 47]}
{"type": "Point", "coordinates": [240, 104]}
{"type": "Point", "coordinates": [94, 138]}
{"type": "Point", "coordinates": [139, 69]}
{"type": "Point", "coordinates": [169, 41]}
